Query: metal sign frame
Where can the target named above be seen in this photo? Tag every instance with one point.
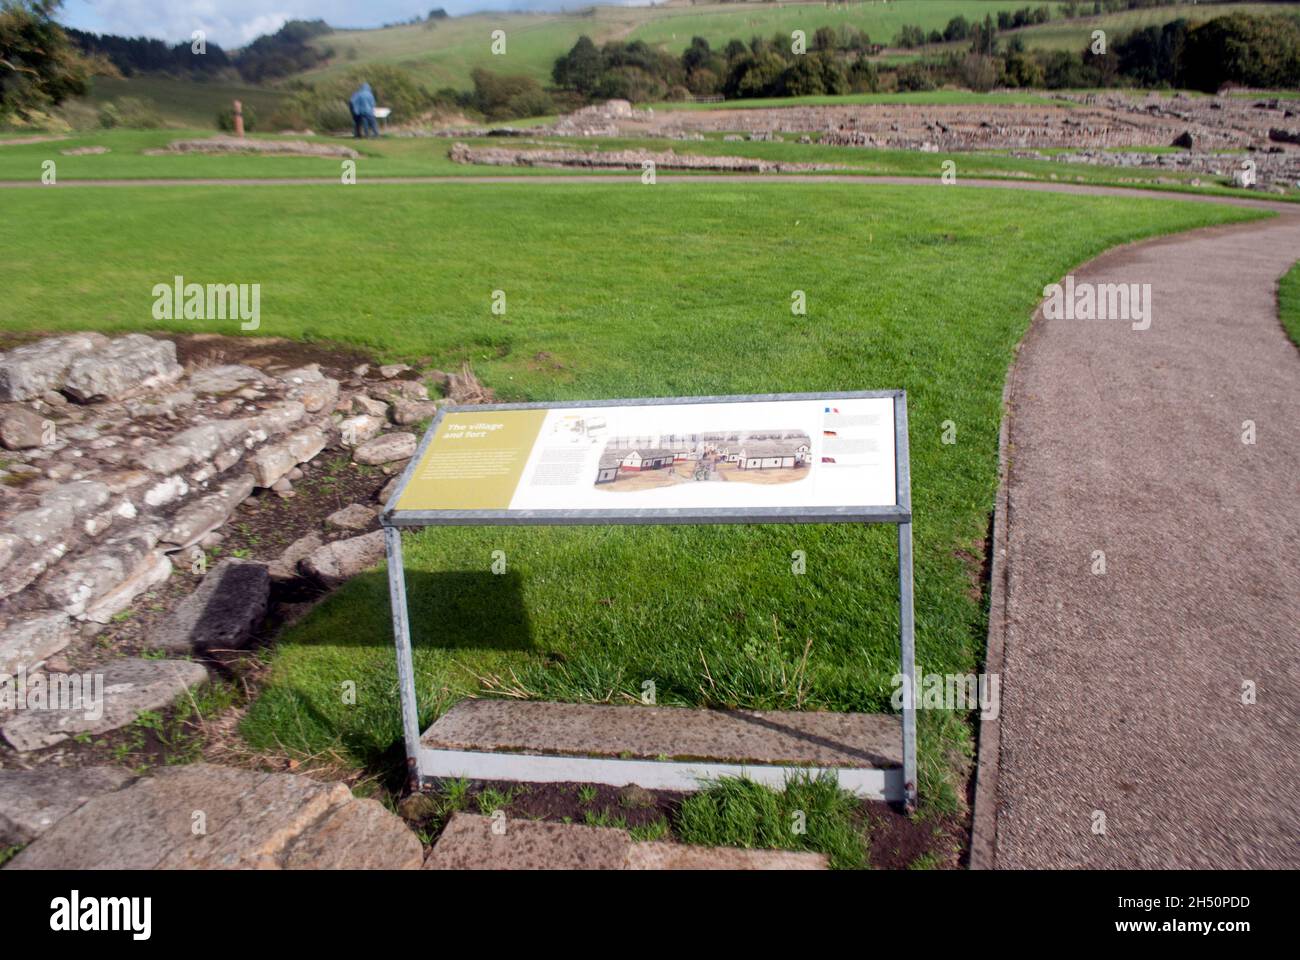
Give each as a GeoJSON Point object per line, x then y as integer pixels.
{"type": "Point", "coordinates": [900, 513]}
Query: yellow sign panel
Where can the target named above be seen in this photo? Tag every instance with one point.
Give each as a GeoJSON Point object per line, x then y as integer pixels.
{"type": "Point", "coordinates": [474, 461]}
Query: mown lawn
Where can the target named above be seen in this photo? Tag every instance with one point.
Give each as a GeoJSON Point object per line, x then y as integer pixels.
{"type": "Point", "coordinates": [620, 290]}
{"type": "Point", "coordinates": [425, 157]}
{"type": "Point", "coordinates": [1288, 302]}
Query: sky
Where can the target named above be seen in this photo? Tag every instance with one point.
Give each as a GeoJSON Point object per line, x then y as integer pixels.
{"type": "Point", "coordinates": [232, 23]}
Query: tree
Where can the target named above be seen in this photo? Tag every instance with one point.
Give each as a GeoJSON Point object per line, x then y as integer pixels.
{"type": "Point", "coordinates": [984, 38]}
{"type": "Point", "coordinates": [579, 69]}
{"type": "Point", "coordinates": [504, 97]}
{"type": "Point", "coordinates": [1238, 48]}
{"type": "Point", "coordinates": [39, 67]}
{"type": "Point", "coordinates": [754, 75]}
{"type": "Point", "coordinates": [697, 54]}
{"type": "Point", "coordinates": [958, 29]}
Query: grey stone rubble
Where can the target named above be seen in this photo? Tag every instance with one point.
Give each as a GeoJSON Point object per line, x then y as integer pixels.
{"type": "Point", "coordinates": [1217, 132]}
{"type": "Point", "coordinates": [229, 145]}
{"type": "Point", "coordinates": [130, 686]}
{"type": "Point", "coordinates": [252, 820]}
{"type": "Point", "coordinates": [624, 160]}
{"type": "Point", "coordinates": [138, 463]}
{"type": "Point", "coordinates": [32, 801]}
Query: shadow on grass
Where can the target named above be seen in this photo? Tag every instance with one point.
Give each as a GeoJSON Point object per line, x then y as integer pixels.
{"type": "Point", "coordinates": [447, 610]}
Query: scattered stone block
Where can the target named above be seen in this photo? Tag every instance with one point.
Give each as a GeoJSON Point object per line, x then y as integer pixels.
{"type": "Point", "coordinates": [352, 517]}
{"type": "Point", "coordinates": [44, 535]}
{"type": "Point", "coordinates": [123, 367]}
{"type": "Point", "coordinates": [401, 390]}
{"type": "Point", "coordinates": [300, 375]}
{"type": "Point", "coordinates": [254, 820]}
{"type": "Point", "coordinates": [80, 583]}
{"type": "Point", "coordinates": [30, 638]}
{"type": "Point", "coordinates": [196, 520]}
{"type": "Point", "coordinates": [32, 801]}
{"type": "Point", "coordinates": [152, 571]}
{"type": "Point", "coordinates": [369, 406]}
{"type": "Point", "coordinates": [317, 395]}
{"type": "Point", "coordinates": [357, 430]}
{"type": "Point", "coordinates": [130, 687]}
{"type": "Point", "coordinates": [336, 562]}
{"type": "Point", "coordinates": [272, 462]}
{"type": "Point", "coordinates": [28, 371]}
{"type": "Point", "coordinates": [385, 449]}
{"type": "Point", "coordinates": [83, 497]}
{"type": "Point", "coordinates": [404, 412]}
{"type": "Point", "coordinates": [21, 428]}
{"type": "Point", "coordinates": [390, 488]}
{"type": "Point", "coordinates": [225, 378]}
{"type": "Point", "coordinates": [222, 614]}
{"type": "Point", "coordinates": [286, 566]}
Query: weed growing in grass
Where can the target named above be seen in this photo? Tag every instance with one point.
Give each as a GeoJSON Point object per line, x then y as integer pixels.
{"type": "Point", "coordinates": [492, 799]}
{"type": "Point", "coordinates": [648, 832]}
{"type": "Point", "coordinates": [811, 814]}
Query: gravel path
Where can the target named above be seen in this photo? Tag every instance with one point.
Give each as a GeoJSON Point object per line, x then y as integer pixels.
{"type": "Point", "coordinates": [1122, 693]}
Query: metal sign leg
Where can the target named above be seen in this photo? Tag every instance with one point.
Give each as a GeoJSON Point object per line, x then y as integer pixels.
{"type": "Point", "coordinates": [405, 665]}
{"type": "Point", "coordinates": [907, 638]}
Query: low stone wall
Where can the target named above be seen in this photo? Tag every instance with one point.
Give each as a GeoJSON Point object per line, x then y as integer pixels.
{"type": "Point", "coordinates": [623, 160]}
{"type": "Point", "coordinates": [120, 466]}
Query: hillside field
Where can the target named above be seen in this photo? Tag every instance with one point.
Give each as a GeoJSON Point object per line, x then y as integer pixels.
{"type": "Point", "coordinates": [445, 52]}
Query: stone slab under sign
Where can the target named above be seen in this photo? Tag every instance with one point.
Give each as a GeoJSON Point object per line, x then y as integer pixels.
{"type": "Point", "coordinates": [821, 738]}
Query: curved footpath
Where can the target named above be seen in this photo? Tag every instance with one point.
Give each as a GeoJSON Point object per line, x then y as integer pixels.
{"type": "Point", "coordinates": [1123, 739]}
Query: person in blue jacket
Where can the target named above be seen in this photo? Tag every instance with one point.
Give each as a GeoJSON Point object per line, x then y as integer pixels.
{"type": "Point", "coordinates": [362, 104]}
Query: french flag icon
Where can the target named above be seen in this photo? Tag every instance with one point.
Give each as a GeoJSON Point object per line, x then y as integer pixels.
{"type": "Point", "coordinates": [832, 409]}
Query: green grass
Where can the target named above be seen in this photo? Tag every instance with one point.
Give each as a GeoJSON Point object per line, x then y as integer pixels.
{"type": "Point", "coordinates": [811, 815]}
{"type": "Point", "coordinates": [620, 290]}
{"type": "Point", "coordinates": [415, 157]}
{"type": "Point", "coordinates": [1288, 303]}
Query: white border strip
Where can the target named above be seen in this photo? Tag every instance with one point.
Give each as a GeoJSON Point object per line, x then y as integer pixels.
{"type": "Point", "coordinates": [870, 783]}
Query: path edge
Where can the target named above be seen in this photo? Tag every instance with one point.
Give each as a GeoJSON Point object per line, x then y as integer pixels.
{"type": "Point", "coordinates": [984, 820]}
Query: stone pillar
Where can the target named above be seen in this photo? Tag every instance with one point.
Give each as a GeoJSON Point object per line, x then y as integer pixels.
{"type": "Point", "coordinates": [239, 120]}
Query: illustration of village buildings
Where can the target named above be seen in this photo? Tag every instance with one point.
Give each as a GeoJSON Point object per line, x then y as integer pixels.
{"type": "Point", "coordinates": [744, 450]}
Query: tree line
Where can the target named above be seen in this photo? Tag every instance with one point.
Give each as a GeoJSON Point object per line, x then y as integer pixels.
{"type": "Point", "coordinates": [1239, 48]}
{"type": "Point", "coordinates": [269, 57]}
